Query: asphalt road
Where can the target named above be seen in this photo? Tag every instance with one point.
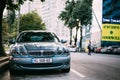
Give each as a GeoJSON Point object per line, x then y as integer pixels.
{"type": "Point", "coordinates": [83, 67]}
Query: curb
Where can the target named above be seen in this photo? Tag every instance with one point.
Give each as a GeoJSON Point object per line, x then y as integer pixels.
{"type": "Point", "coordinates": [4, 61]}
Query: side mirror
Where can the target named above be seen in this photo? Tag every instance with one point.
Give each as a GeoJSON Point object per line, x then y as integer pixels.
{"type": "Point", "coordinates": [12, 41]}
{"type": "Point", "coordinates": [63, 41]}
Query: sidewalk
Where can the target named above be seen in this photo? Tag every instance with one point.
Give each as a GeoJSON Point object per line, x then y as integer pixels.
{"type": "Point", "coordinates": [4, 61]}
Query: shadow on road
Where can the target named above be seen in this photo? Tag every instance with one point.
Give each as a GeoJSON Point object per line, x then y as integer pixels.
{"type": "Point", "coordinates": [37, 72]}
{"type": "Point", "coordinates": [36, 75]}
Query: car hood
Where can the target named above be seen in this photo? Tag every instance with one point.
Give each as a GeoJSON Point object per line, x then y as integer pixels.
{"type": "Point", "coordinates": [41, 46]}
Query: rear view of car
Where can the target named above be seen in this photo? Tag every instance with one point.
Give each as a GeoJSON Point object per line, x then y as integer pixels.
{"type": "Point", "coordinates": [38, 50]}
{"type": "Point", "coordinates": [113, 49]}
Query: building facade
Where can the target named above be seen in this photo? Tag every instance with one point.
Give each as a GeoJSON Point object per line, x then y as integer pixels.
{"type": "Point", "coordinates": [50, 10]}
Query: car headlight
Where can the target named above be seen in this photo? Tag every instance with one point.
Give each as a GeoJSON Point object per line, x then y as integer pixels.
{"type": "Point", "coordinates": [19, 50]}
{"type": "Point", "coordinates": [59, 51]}
{"type": "Point", "coordinates": [14, 51]}
{"type": "Point", "coordinates": [62, 51]}
{"type": "Point", "coordinates": [66, 51]}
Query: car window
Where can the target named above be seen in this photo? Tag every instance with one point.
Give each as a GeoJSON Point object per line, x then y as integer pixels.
{"type": "Point", "coordinates": [36, 37]}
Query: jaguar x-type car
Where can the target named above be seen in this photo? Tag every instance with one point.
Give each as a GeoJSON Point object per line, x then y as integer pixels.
{"type": "Point", "coordinates": [38, 50]}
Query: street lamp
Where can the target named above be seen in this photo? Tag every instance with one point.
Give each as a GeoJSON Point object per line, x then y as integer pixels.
{"type": "Point", "coordinates": [79, 26]}
{"type": "Point", "coordinates": [78, 22]}
{"type": "Point", "coordinates": [77, 19]}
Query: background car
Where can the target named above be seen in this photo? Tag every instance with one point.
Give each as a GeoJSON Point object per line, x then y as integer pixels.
{"type": "Point", "coordinates": [72, 48]}
{"type": "Point", "coordinates": [38, 50]}
{"type": "Point", "coordinates": [113, 49]}
{"type": "Point", "coordinates": [116, 50]}
{"type": "Point", "coordinates": [98, 50]}
{"type": "Point", "coordinates": [103, 50]}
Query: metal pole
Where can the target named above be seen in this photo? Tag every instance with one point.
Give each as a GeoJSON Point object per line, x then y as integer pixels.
{"type": "Point", "coordinates": [29, 7]}
{"type": "Point", "coordinates": [98, 25]}
{"type": "Point", "coordinates": [96, 19]}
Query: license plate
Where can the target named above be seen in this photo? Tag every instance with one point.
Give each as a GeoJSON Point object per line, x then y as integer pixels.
{"type": "Point", "coordinates": [42, 60]}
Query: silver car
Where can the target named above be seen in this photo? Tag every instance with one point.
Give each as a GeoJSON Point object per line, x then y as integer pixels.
{"type": "Point", "coordinates": [38, 50]}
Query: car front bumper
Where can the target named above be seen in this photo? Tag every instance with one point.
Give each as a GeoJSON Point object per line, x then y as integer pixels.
{"type": "Point", "coordinates": [27, 64]}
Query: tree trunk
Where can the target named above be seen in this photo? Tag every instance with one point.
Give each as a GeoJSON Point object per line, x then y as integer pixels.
{"type": "Point", "coordinates": [81, 38]}
{"type": "Point", "coordinates": [70, 36]}
{"type": "Point", "coordinates": [2, 7]}
{"type": "Point", "coordinates": [76, 36]}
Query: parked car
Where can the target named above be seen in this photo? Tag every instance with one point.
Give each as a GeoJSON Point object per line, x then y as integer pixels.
{"type": "Point", "coordinates": [103, 50]}
{"type": "Point", "coordinates": [113, 49]}
{"type": "Point", "coordinates": [98, 49]}
{"type": "Point", "coordinates": [38, 50]}
{"type": "Point", "coordinates": [110, 49]}
{"type": "Point", "coordinates": [116, 50]}
{"type": "Point", "coordinates": [72, 48]}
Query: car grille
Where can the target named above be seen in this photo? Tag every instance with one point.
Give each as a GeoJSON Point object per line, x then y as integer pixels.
{"type": "Point", "coordinates": [41, 53]}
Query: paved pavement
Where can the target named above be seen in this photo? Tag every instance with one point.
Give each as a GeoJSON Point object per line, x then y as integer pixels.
{"type": "Point", "coordinates": [4, 60]}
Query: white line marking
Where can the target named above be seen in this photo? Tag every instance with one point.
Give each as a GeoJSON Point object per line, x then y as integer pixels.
{"type": "Point", "coordinates": [77, 73]}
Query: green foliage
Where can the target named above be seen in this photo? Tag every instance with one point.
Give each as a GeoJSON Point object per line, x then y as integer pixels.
{"type": "Point", "coordinates": [66, 15]}
{"type": "Point", "coordinates": [5, 30]}
{"type": "Point", "coordinates": [13, 29]}
{"type": "Point", "coordinates": [83, 12]}
{"type": "Point", "coordinates": [31, 21]}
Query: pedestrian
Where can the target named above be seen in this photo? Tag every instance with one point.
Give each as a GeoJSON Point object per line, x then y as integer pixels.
{"type": "Point", "coordinates": [89, 48]}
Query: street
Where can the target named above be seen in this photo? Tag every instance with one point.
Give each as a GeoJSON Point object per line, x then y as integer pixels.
{"type": "Point", "coordinates": [83, 67]}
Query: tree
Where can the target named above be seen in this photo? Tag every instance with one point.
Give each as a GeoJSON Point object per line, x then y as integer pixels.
{"type": "Point", "coordinates": [10, 5]}
{"type": "Point", "coordinates": [83, 12]}
{"type": "Point", "coordinates": [66, 16]}
{"type": "Point", "coordinates": [31, 21]}
{"type": "Point", "coordinates": [75, 39]}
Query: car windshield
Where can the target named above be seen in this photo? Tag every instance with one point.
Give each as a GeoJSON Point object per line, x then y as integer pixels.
{"type": "Point", "coordinates": [36, 37]}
